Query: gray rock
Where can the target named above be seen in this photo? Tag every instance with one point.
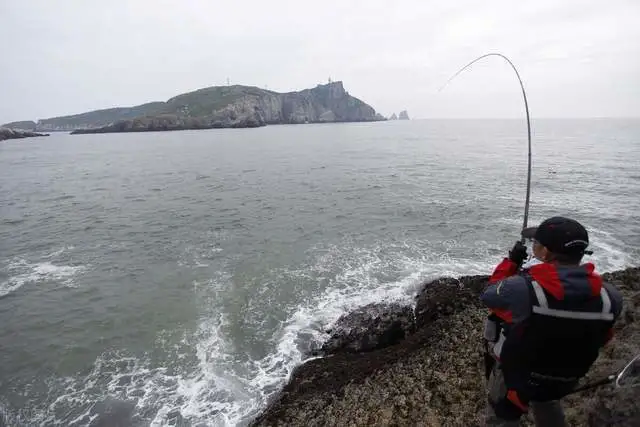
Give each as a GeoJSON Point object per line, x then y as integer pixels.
{"type": "Point", "coordinates": [403, 115]}
{"type": "Point", "coordinates": [369, 328]}
{"type": "Point", "coordinates": [6, 133]}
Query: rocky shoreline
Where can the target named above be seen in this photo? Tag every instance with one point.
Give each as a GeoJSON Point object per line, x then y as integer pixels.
{"type": "Point", "coordinates": [6, 133]}
{"type": "Point", "coordinates": [386, 364]}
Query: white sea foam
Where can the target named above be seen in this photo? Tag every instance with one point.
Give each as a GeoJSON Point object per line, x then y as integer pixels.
{"type": "Point", "coordinates": [224, 394]}
{"type": "Point", "coordinates": [207, 382]}
{"type": "Point", "coordinates": [21, 272]}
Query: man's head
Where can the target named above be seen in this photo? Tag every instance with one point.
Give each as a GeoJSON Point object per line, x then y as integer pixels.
{"type": "Point", "coordinates": [558, 239]}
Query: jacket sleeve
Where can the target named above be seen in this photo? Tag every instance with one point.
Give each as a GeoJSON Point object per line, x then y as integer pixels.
{"type": "Point", "coordinates": [616, 304]}
{"type": "Point", "coordinates": [616, 299]}
{"type": "Point", "coordinates": [505, 269]}
{"type": "Point", "coordinates": [508, 298]}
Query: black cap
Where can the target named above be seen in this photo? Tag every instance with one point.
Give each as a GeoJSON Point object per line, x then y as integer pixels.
{"type": "Point", "coordinates": [560, 235]}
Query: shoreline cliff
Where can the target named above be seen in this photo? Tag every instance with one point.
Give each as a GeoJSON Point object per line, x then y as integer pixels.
{"type": "Point", "coordinates": [387, 364]}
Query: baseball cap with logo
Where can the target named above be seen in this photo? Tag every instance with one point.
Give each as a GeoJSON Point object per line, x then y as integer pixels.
{"type": "Point", "coordinates": [560, 235]}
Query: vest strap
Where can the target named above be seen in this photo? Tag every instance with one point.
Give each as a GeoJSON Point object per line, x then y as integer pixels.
{"type": "Point", "coordinates": [543, 307]}
{"type": "Point", "coordinates": [565, 314]}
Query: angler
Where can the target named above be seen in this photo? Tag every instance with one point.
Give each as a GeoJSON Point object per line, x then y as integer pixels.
{"type": "Point", "coordinates": [547, 322]}
{"type": "Point", "coordinates": [547, 325]}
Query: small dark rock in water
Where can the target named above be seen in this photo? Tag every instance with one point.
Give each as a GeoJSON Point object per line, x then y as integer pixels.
{"type": "Point", "coordinates": [112, 413]}
{"type": "Point", "coordinates": [371, 327]}
{"type": "Point", "coordinates": [6, 133]}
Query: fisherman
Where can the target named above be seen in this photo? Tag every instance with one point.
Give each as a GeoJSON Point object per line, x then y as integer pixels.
{"type": "Point", "coordinates": [547, 324]}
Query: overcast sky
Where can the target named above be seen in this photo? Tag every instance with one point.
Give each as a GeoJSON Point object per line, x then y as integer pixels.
{"type": "Point", "coordinates": [578, 58]}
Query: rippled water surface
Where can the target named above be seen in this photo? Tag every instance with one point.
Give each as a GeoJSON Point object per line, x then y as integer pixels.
{"type": "Point", "coordinates": [181, 276]}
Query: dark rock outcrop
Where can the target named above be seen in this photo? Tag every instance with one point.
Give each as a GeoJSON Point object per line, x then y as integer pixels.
{"type": "Point", "coordinates": [371, 327]}
{"type": "Point", "coordinates": [434, 377]}
{"type": "Point", "coordinates": [403, 115]}
{"type": "Point", "coordinates": [17, 134]}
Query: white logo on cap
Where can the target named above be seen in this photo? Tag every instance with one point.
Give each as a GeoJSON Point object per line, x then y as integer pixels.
{"type": "Point", "coordinates": [576, 242]}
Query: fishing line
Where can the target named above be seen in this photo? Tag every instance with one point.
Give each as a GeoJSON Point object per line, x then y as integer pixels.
{"type": "Point", "coordinates": [526, 107]}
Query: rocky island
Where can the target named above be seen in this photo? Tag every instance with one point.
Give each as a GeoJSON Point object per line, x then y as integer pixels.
{"type": "Point", "coordinates": [393, 365]}
{"type": "Point", "coordinates": [223, 107]}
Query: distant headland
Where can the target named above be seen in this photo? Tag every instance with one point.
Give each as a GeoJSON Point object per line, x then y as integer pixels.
{"type": "Point", "coordinates": [232, 106]}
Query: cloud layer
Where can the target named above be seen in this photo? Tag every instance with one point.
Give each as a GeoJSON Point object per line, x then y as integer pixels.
{"type": "Point", "coordinates": [577, 58]}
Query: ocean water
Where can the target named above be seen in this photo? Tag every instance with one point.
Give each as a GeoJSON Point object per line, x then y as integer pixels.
{"type": "Point", "coordinates": [179, 278]}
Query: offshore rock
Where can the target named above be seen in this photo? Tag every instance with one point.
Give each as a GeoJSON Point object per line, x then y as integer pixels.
{"type": "Point", "coordinates": [6, 133]}
{"type": "Point", "coordinates": [403, 115]}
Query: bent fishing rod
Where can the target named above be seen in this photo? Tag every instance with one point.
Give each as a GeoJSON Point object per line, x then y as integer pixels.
{"type": "Point", "coordinates": [526, 107]}
{"type": "Point", "coordinates": [628, 377]}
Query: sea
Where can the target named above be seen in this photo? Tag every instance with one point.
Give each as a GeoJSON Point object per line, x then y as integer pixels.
{"type": "Point", "coordinates": [178, 278]}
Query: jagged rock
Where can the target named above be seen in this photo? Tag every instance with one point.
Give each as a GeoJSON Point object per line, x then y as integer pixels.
{"type": "Point", "coordinates": [446, 296]}
{"type": "Point", "coordinates": [6, 133]}
{"type": "Point", "coordinates": [371, 327]}
{"type": "Point", "coordinates": [393, 117]}
{"type": "Point", "coordinates": [403, 115]}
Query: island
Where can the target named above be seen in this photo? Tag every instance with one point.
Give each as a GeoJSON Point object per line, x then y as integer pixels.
{"type": "Point", "coordinates": [233, 106]}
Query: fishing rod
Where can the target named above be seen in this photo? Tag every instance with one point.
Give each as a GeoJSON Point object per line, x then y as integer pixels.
{"type": "Point", "coordinates": [526, 107]}
{"type": "Point", "coordinates": [628, 377]}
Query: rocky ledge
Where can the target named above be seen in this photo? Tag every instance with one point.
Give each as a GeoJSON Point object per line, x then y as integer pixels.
{"type": "Point", "coordinates": [390, 365]}
{"type": "Point", "coordinates": [6, 133]}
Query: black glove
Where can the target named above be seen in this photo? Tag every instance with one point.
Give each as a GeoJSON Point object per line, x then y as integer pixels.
{"type": "Point", "coordinates": [518, 253]}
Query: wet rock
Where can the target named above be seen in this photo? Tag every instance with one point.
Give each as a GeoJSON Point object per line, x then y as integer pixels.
{"type": "Point", "coordinates": [446, 296]}
{"type": "Point", "coordinates": [6, 133]}
{"type": "Point", "coordinates": [369, 328]}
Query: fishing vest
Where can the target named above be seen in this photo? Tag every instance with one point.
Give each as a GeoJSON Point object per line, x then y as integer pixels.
{"type": "Point", "coordinates": [544, 357]}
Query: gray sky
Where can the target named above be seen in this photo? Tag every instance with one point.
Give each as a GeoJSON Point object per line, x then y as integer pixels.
{"type": "Point", "coordinates": [578, 58]}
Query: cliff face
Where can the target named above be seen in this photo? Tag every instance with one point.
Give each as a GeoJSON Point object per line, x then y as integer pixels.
{"type": "Point", "coordinates": [221, 107]}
